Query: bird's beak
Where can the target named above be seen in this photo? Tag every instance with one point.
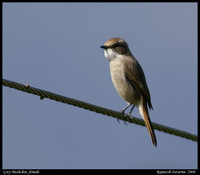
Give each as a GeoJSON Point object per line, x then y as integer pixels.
{"type": "Point", "coordinates": [103, 47]}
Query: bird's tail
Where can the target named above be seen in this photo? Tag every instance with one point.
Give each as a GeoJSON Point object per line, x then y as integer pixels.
{"type": "Point", "coordinates": [145, 114]}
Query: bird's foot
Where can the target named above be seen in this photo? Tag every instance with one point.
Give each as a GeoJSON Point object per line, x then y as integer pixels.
{"type": "Point", "coordinates": [124, 116]}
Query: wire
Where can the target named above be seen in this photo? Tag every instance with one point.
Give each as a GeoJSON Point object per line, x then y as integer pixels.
{"type": "Point", "coordinates": [46, 94]}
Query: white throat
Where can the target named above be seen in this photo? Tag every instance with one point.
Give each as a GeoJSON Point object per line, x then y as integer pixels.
{"type": "Point", "coordinates": [110, 54]}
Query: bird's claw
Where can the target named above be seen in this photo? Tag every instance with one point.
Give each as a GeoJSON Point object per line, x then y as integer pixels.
{"type": "Point", "coordinates": [123, 112]}
{"type": "Point", "coordinates": [129, 114]}
{"type": "Point", "coordinates": [124, 116]}
{"type": "Point", "coordinates": [118, 120]}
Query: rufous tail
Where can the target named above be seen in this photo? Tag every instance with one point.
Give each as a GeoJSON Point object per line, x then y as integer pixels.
{"type": "Point", "coordinates": [145, 114]}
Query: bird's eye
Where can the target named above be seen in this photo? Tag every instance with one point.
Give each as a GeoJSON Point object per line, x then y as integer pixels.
{"type": "Point", "coordinates": [116, 45]}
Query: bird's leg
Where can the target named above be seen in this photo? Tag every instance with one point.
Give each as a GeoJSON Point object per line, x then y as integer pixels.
{"type": "Point", "coordinates": [124, 109]}
{"type": "Point", "coordinates": [124, 112]}
{"type": "Point", "coordinates": [129, 114]}
{"type": "Point", "coordinates": [131, 111]}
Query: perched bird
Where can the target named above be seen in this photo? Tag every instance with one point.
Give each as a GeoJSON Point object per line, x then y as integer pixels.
{"type": "Point", "coordinates": [129, 79]}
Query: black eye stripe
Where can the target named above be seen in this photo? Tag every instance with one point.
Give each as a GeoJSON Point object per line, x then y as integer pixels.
{"type": "Point", "coordinates": [117, 45]}
{"type": "Point", "coordinates": [113, 46]}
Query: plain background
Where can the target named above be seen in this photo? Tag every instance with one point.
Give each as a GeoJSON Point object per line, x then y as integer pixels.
{"type": "Point", "coordinates": [56, 47]}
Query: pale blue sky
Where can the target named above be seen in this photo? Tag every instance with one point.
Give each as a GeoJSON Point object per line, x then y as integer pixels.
{"type": "Point", "coordinates": [56, 47]}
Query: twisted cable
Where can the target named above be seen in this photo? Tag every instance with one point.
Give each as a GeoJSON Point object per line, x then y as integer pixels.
{"type": "Point", "coordinates": [46, 94]}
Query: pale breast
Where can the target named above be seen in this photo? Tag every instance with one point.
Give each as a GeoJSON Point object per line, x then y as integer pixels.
{"type": "Point", "coordinates": [123, 87]}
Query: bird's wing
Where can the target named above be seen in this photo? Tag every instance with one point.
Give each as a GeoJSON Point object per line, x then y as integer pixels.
{"type": "Point", "coordinates": [135, 76]}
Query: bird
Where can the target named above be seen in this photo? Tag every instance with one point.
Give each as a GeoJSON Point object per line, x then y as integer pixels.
{"type": "Point", "coordinates": [129, 80]}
